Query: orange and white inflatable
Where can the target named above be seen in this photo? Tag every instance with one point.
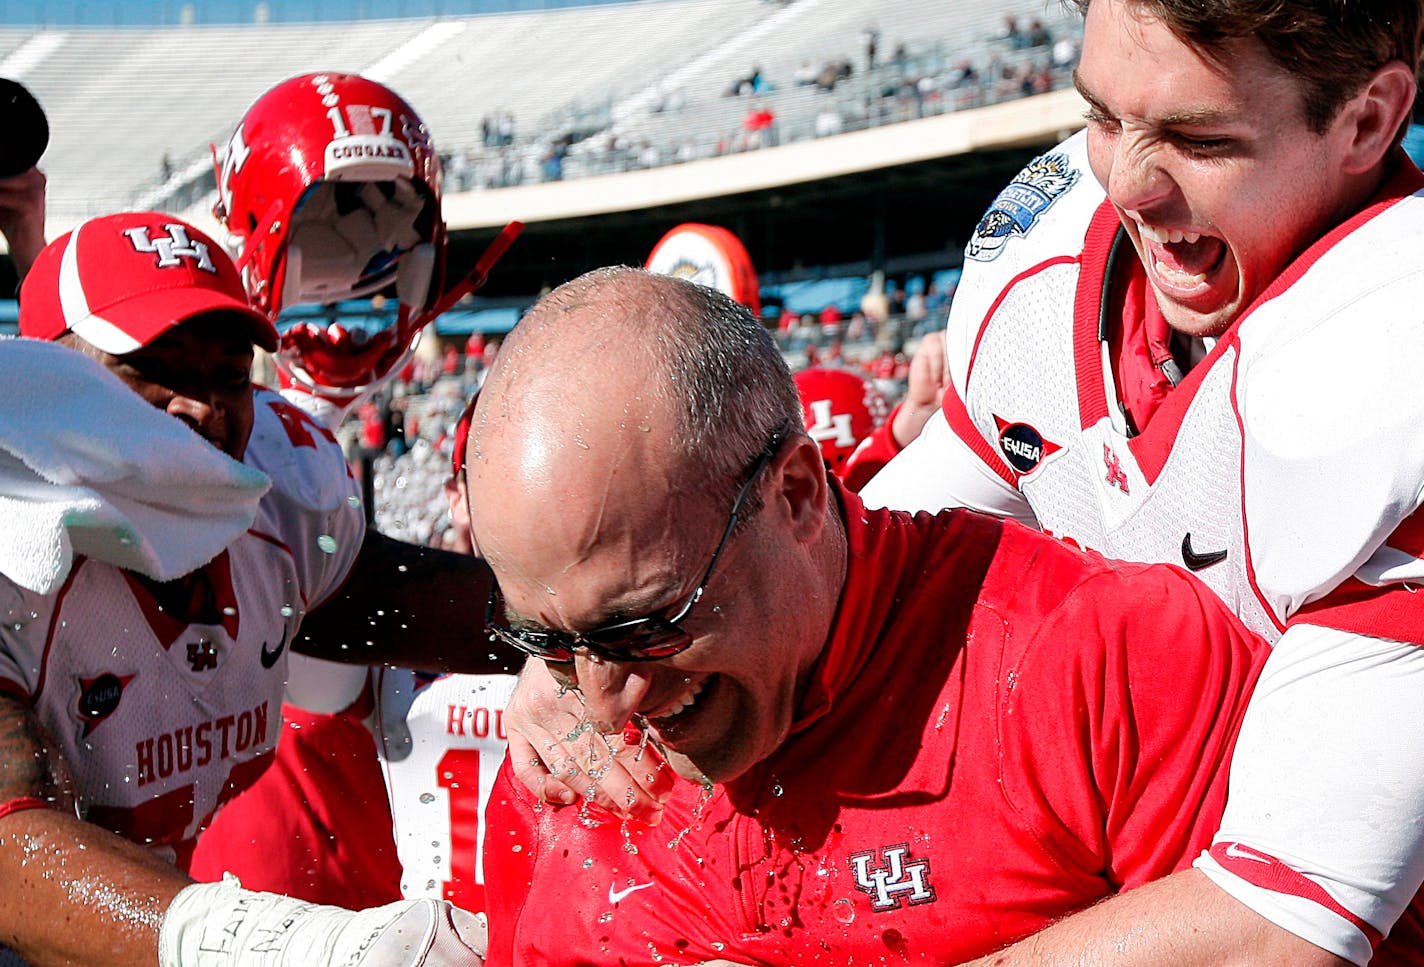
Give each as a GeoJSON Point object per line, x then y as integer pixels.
{"type": "Point", "coordinates": [708, 255]}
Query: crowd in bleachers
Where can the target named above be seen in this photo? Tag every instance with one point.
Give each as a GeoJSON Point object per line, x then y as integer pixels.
{"type": "Point", "coordinates": [532, 104]}
{"type": "Point", "coordinates": [920, 78]}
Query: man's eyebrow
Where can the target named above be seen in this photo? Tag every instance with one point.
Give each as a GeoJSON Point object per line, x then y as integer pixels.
{"type": "Point", "coordinates": [1083, 91]}
{"type": "Point", "coordinates": [1198, 117]}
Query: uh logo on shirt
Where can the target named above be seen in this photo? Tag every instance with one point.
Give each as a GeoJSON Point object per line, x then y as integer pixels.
{"type": "Point", "coordinates": [892, 881]}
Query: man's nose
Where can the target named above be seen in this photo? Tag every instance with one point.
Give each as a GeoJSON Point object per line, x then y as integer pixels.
{"type": "Point", "coordinates": [1137, 180]}
{"type": "Point", "coordinates": [612, 691]}
{"type": "Point", "coordinates": [198, 409]}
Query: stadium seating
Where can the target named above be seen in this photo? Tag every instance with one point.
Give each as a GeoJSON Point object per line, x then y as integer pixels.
{"type": "Point", "coordinates": [121, 100]}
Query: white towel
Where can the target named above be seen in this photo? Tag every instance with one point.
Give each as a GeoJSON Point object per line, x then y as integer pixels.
{"type": "Point", "coordinates": [87, 467]}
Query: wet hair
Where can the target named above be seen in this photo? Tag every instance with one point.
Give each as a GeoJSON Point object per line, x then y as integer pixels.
{"type": "Point", "coordinates": [721, 370]}
{"type": "Point", "coordinates": [1331, 46]}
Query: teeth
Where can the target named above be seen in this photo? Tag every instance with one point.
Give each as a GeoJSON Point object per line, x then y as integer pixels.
{"type": "Point", "coordinates": [1166, 236]}
{"type": "Point", "coordinates": [682, 704]}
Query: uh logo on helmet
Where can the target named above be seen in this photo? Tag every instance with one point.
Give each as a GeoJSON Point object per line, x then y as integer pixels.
{"type": "Point", "coordinates": [329, 189]}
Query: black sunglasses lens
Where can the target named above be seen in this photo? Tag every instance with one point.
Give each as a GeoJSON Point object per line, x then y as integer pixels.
{"type": "Point", "coordinates": [649, 641]}
{"type": "Point", "coordinates": [533, 643]}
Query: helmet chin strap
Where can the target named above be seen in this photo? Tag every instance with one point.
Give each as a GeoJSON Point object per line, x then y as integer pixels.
{"type": "Point", "coordinates": [476, 277]}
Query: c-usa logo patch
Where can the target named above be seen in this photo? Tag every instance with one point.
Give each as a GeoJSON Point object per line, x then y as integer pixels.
{"type": "Point", "coordinates": [1019, 206]}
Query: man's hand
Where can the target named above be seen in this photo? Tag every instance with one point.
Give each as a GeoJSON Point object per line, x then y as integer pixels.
{"type": "Point", "coordinates": [558, 755]}
{"type": "Point", "coordinates": [928, 379]}
{"type": "Point", "coordinates": [222, 925]}
{"type": "Point", "coordinates": [22, 216]}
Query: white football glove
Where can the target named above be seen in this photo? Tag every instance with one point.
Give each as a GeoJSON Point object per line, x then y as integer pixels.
{"type": "Point", "coordinates": [223, 925]}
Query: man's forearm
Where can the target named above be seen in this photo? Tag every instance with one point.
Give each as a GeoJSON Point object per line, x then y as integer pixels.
{"type": "Point", "coordinates": [1183, 920]}
{"type": "Point", "coordinates": [411, 606]}
{"type": "Point", "coordinates": [77, 894]}
{"type": "Point", "coordinates": [73, 893]}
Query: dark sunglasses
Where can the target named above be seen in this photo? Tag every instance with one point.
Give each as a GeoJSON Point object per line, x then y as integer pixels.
{"type": "Point", "coordinates": [648, 638]}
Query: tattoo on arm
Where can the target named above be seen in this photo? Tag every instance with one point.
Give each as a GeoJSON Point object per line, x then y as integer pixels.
{"type": "Point", "coordinates": [30, 761]}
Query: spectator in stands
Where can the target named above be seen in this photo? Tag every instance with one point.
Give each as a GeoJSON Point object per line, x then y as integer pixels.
{"type": "Point", "coordinates": [900, 57]}
{"type": "Point", "coordinates": [1065, 53]}
{"type": "Point", "coordinates": [875, 304]}
{"type": "Point", "coordinates": [856, 328]}
{"type": "Point", "coordinates": [936, 303]}
{"type": "Point", "coordinates": [759, 126]}
{"type": "Point", "coordinates": [1010, 33]}
{"type": "Point", "coordinates": [475, 350]}
{"type": "Point", "coordinates": [832, 73]}
{"type": "Point", "coordinates": [982, 808]}
{"type": "Point", "coordinates": [916, 309]}
{"type": "Point", "coordinates": [830, 320]}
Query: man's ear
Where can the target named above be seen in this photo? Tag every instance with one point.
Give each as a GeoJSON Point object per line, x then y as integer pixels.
{"type": "Point", "coordinates": [800, 475]}
{"type": "Point", "coordinates": [1374, 116]}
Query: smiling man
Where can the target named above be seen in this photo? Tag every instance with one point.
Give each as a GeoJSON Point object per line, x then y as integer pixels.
{"type": "Point", "coordinates": [893, 737]}
{"type": "Point", "coordinates": [142, 669]}
{"type": "Point", "coordinates": [1192, 334]}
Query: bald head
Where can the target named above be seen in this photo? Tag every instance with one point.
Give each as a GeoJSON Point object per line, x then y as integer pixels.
{"type": "Point", "coordinates": [645, 359]}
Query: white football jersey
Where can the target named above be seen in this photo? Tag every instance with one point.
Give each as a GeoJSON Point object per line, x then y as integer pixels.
{"type": "Point", "coordinates": [1246, 429]}
{"type": "Point", "coordinates": [1285, 470]}
{"type": "Point", "coordinates": [165, 700]}
{"type": "Point", "coordinates": [441, 741]}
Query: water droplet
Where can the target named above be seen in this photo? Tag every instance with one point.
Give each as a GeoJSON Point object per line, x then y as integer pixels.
{"type": "Point", "coordinates": [288, 611]}
{"type": "Point", "coordinates": [517, 848]}
{"type": "Point", "coordinates": [843, 910]}
{"type": "Point", "coordinates": [327, 543]}
{"type": "Point", "coordinates": [588, 863]}
{"type": "Point", "coordinates": [353, 501]}
{"type": "Point", "coordinates": [777, 790]}
{"type": "Point", "coordinates": [229, 611]}
{"type": "Point", "coordinates": [605, 917]}
{"type": "Point", "coordinates": [427, 797]}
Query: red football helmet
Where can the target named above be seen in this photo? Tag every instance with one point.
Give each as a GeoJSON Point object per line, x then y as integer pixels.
{"type": "Point", "coordinates": [330, 189]}
{"type": "Point", "coordinates": [841, 409]}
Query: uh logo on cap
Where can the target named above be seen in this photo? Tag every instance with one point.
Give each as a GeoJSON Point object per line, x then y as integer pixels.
{"type": "Point", "coordinates": [173, 248]}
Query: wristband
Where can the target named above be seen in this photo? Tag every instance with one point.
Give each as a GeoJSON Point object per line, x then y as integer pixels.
{"type": "Point", "coordinates": [21, 804]}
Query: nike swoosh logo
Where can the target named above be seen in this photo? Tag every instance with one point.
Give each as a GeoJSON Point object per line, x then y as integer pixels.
{"type": "Point", "coordinates": [615, 895]}
{"type": "Point", "coordinates": [1198, 562]}
{"type": "Point", "coordinates": [1237, 852]}
{"type": "Point", "coordinates": [269, 658]}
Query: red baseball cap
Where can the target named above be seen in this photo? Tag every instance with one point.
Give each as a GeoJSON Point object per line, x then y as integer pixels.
{"type": "Point", "coordinates": [121, 281]}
